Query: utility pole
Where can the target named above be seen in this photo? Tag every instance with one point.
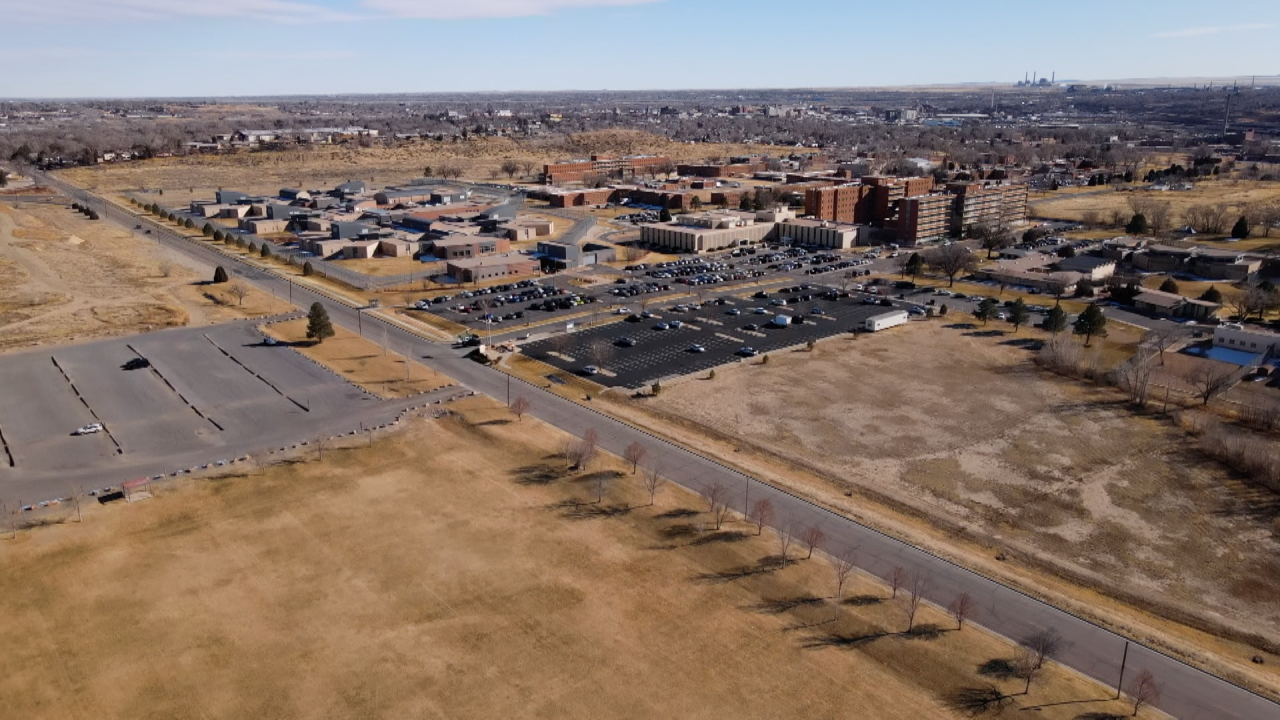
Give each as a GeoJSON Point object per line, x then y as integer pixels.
{"type": "Point", "coordinates": [1124, 659]}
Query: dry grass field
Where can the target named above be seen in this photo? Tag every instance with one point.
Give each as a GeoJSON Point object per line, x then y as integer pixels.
{"type": "Point", "coordinates": [457, 570]}
{"type": "Point", "coordinates": [64, 277]}
{"type": "Point", "coordinates": [958, 429]}
{"type": "Point", "coordinates": [365, 362]}
{"type": "Point", "coordinates": [198, 176]}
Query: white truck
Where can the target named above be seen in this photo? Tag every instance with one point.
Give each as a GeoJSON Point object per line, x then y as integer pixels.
{"type": "Point", "coordinates": [885, 320]}
{"type": "Point", "coordinates": [781, 320]}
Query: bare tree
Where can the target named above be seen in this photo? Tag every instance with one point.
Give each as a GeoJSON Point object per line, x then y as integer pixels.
{"type": "Point", "coordinates": [1025, 667]}
{"type": "Point", "coordinates": [761, 514]}
{"type": "Point", "coordinates": [510, 167]}
{"type": "Point", "coordinates": [635, 454]}
{"type": "Point", "coordinates": [896, 578]}
{"type": "Point", "coordinates": [1043, 645]}
{"type": "Point", "coordinates": [322, 444]}
{"type": "Point", "coordinates": [951, 260]}
{"type": "Point", "coordinates": [166, 268]}
{"type": "Point", "coordinates": [1146, 691]}
{"type": "Point", "coordinates": [653, 481]}
{"type": "Point", "coordinates": [600, 351]}
{"type": "Point", "coordinates": [12, 518]}
{"type": "Point", "coordinates": [786, 538]}
{"type": "Point", "coordinates": [961, 607]}
{"type": "Point", "coordinates": [813, 539]}
{"type": "Point", "coordinates": [240, 290]}
{"type": "Point", "coordinates": [75, 498]}
{"type": "Point", "coordinates": [843, 566]}
{"type": "Point", "coordinates": [560, 343]}
{"type": "Point", "coordinates": [591, 438]}
{"type": "Point", "coordinates": [1163, 338]}
{"type": "Point", "coordinates": [600, 481]}
{"type": "Point", "coordinates": [520, 406]}
{"type": "Point", "coordinates": [717, 502]}
{"type": "Point", "coordinates": [1211, 379]}
{"type": "Point", "coordinates": [1134, 376]}
{"type": "Point", "coordinates": [917, 586]}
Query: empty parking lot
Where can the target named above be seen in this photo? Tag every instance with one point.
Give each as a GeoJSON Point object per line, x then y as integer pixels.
{"type": "Point", "coordinates": [204, 389]}
{"type": "Point", "coordinates": [720, 330]}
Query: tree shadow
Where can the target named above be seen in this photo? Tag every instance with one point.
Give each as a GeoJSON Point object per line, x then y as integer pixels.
{"type": "Point", "coordinates": [999, 668]}
{"type": "Point", "coordinates": [542, 474]}
{"type": "Point", "coordinates": [985, 333]}
{"type": "Point", "coordinates": [842, 640]}
{"type": "Point", "coordinates": [1097, 715]}
{"type": "Point", "coordinates": [924, 631]}
{"type": "Point", "coordinates": [736, 573]}
{"type": "Point", "coordinates": [960, 326]}
{"type": "Point", "coordinates": [779, 606]}
{"type": "Point", "coordinates": [720, 536]}
{"type": "Point", "coordinates": [576, 510]}
{"type": "Point", "coordinates": [495, 421]}
{"type": "Point", "coordinates": [680, 530]}
{"type": "Point", "coordinates": [1025, 343]}
{"type": "Point", "coordinates": [678, 513]}
{"type": "Point", "coordinates": [863, 600]}
{"type": "Point", "coordinates": [980, 700]}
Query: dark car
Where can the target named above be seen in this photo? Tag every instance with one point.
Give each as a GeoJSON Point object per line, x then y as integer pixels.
{"type": "Point", "coordinates": [136, 364]}
{"type": "Point", "coordinates": [626, 342]}
{"type": "Point", "coordinates": [751, 326]}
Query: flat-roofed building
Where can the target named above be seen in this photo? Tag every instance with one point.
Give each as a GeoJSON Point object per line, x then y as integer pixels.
{"type": "Point", "coordinates": [1091, 266]}
{"type": "Point", "coordinates": [403, 196]}
{"type": "Point", "coordinates": [528, 229]}
{"type": "Point", "coordinates": [465, 246]}
{"type": "Point", "coordinates": [823, 233]}
{"type": "Point", "coordinates": [851, 203]}
{"type": "Point", "coordinates": [704, 232]}
{"type": "Point", "coordinates": [1248, 338]}
{"type": "Point", "coordinates": [997, 204]}
{"type": "Point", "coordinates": [576, 170]}
{"type": "Point", "coordinates": [488, 268]}
{"type": "Point", "coordinates": [924, 218]}
{"type": "Point", "coordinates": [1158, 302]}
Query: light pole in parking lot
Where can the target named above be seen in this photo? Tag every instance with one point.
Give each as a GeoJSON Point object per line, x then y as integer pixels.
{"type": "Point", "coordinates": [360, 321]}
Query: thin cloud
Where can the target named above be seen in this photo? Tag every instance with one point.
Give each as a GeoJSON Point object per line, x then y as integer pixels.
{"type": "Point", "coordinates": [286, 11]}
{"type": "Point", "coordinates": [464, 9]}
{"type": "Point", "coordinates": [1213, 30]}
{"type": "Point", "coordinates": [63, 11]}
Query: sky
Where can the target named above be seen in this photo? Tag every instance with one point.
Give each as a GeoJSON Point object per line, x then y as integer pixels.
{"type": "Point", "coordinates": [202, 48]}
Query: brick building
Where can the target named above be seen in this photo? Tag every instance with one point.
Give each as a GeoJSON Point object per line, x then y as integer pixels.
{"type": "Point", "coordinates": [924, 218]}
{"type": "Point", "coordinates": [488, 268]}
{"type": "Point", "coordinates": [576, 170]}
{"type": "Point", "coordinates": [987, 203]}
{"type": "Point", "coordinates": [458, 247]}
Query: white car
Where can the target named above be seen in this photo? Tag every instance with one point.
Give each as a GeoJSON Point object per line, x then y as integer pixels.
{"type": "Point", "coordinates": [89, 429]}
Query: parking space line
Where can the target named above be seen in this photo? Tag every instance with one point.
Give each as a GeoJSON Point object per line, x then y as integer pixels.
{"type": "Point", "coordinates": [246, 369]}
{"type": "Point", "coordinates": [105, 430]}
{"type": "Point", "coordinates": [184, 400]}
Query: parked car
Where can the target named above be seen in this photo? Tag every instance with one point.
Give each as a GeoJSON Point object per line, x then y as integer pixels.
{"type": "Point", "coordinates": [89, 429]}
{"type": "Point", "coordinates": [626, 342]}
{"type": "Point", "coordinates": [747, 351]}
{"type": "Point", "coordinates": [591, 370]}
{"type": "Point", "coordinates": [697, 349]}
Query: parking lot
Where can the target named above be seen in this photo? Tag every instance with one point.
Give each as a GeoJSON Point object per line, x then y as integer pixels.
{"type": "Point", "coordinates": [638, 351]}
{"type": "Point", "coordinates": [520, 304]}
{"type": "Point", "coordinates": [201, 388]}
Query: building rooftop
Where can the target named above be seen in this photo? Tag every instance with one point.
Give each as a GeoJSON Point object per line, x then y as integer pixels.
{"type": "Point", "coordinates": [491, 261]}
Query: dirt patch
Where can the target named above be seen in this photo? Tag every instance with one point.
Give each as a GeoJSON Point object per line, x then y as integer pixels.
{"type": "Point", "coordinates": [378, 369]}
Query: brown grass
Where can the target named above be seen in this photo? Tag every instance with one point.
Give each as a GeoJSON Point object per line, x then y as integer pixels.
{"type": "Point", "coordinates": [451, 578]}
{"type": "Point", "coordinates": [381, 371]}
{"type": "Point", "coordinates": [958, 443]}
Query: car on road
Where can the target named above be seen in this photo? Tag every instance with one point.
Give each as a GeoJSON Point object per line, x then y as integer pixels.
{"type": "Point", "coordinates": [136, 364]}
{"type": "Point", "coordinates": [747, 351]}
{"type": "Point", "coordinates": [697, 349]}
{"type": "Point", "coordinates": [270, 341]}
{"type": "Point", "coordinates": [662, 326]}
{"type": "Point", "coordinates": [625, 342]}
{"type": "Point", "coordinates": [89, 429]}
{"type": "Point", "coordinates": [760, 311]}
{"type": "Point", "coordinates": [733, 311]}
{"type": "Point", "coordinates": [591, 370]}
{"type": "Point", "coordinates": [646, 315]}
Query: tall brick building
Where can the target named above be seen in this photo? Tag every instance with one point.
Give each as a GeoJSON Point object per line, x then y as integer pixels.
{"type": "Point", "coordinates": [924, 218]}
{"type": "Point", "coordinates": [987, 203]}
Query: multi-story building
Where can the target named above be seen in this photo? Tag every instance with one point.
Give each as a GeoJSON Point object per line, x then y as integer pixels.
{"type": "Point", "coordinates": [850, 203]}
{"type": "Point", "coordinates": [576, 170]}
{"type": "Point", "coordinates": [924, 218]}
{"type": "Point", "coordinates": [703, 232]}
{"type": "Point", "coordinates": [823, 233]}
{"type": "Point", "coordinates": [987, 203]}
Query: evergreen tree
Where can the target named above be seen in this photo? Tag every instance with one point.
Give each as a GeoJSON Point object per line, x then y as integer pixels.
{"type": "Point", "coordinates": [1213, 295]}
{"type": "Point", "coordinates": [220, 274]}
{"type": "Point", "coordinates": [1169, 286]}
{"type": "Point", "coordinates": [915, 265]}
{"type": "Point", "coordinates": [1018, 314]}
{"type": "Point", "coordinates": [207, 230]}
{"type": "Point", "coordinates": [665, 215]}
{"type": "Point", "coordinates": [266, 250]}
{"type": "Point", "coordinates": [942, 311]}
{"type": "Point", "coordinates": [1240, 230]}
{"type": "Point", "coordinates": [1090, 323]}
{"type": "Point", "coordinates": [1055, 321]}
{"type": "Point", "coordinates": [319, 326]}
{"type": "Point", "coordinates": [219, 236]}
{"type": "Point", "coordinates": [1137, 225]}
{"type": "Point", "coordinates": [745, 204]}
{"type": "Point", "coordinates": [307, 268]}
{"type": "Point", "coordinates": [986, 310]}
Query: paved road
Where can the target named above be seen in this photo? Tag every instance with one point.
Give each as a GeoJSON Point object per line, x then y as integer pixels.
{"type": "Point", "coordinates": [1188, 692]}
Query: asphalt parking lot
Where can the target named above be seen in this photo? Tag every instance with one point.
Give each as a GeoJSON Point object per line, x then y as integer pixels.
{"type": "Point", "coordinates": [659, 354]}
{"type": "Point", "coordinates": [205, 388]}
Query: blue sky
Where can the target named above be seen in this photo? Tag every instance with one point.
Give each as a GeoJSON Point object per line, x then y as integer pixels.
{"type": "Point", "coordinates": [172, 48]}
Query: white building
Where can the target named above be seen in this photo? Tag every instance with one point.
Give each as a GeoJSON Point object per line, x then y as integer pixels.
{"type": "Point", "coordinates": [875, 323]}
{"type": "Point", "coordinates": [1246, 338]}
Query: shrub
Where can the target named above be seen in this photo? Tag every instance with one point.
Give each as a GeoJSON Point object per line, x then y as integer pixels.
{"type": "Point", "coordinates": [656, 388]}
{"type": "Point", "coordinates": [308, 268]}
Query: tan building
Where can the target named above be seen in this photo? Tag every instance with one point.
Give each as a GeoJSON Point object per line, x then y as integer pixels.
{"type": "Point", "coordinates": [924, 218]}
{"type": "Point", "coordinates": [465, 246]}
{"type": "Point", "coordinates": [1158, 302]}
{"type": "Point", "coordinates": [488, 268]}
{"type": "Point", "coordinates": [987, 203]}
{"type": "Point", "coordinates": [704, 232]}
{"type": "Point", "coordinates": [528, 229]}
{"type": "Point", "coordinates": [824, 233]}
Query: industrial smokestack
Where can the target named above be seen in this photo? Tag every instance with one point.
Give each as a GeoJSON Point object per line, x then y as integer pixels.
{"type": "Point", "coordinates": [1053, 77]}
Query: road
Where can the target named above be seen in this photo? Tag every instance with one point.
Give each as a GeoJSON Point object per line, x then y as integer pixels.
{"type": "Point", "coordinates": [1092, 650]}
